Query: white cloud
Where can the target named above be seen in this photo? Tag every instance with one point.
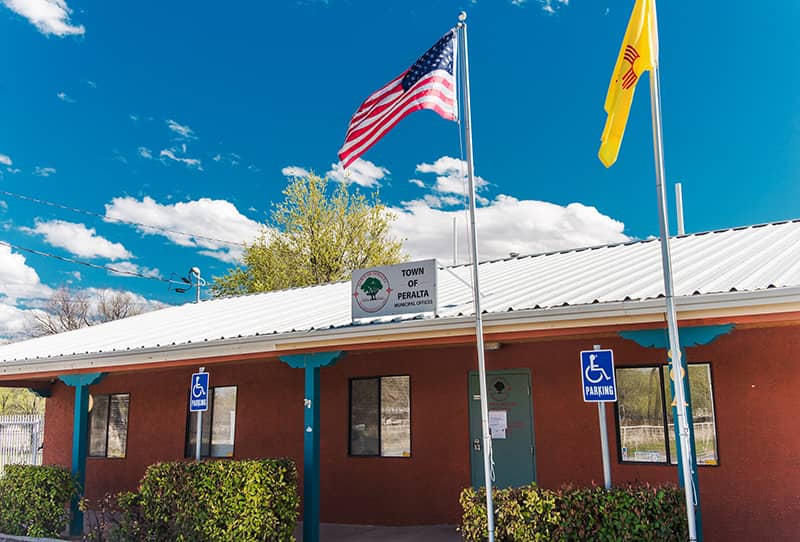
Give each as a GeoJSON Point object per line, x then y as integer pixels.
{"type": "Point", "coordinates": [49, 16]}
{"type": "Point", "coordinates": [78, 240]}
{"type": "Point", "coordinates": [130, 267]}
{"type": "Point", "coordinates": [144, 152]}
{"type": "Point", "coordinates": [118, 156]}
{"type": "Point", "coordinates": [91, 83]}
{"type": "Point", "coordinates": [65, 98]}
{"type": "Point", "coordinates": [13, 170]}
{"type": "Point", "coordinates": [5, 159]}
{"type": "Point", "coordinates": [190, 162]}
{"type": "Point", "coordinates": [294, 171]}
{"type": "Point", "coordinates": [133, 117]}
{"type": "Point", "coordinates": [417, 182]}
{"type": "Point", "coordinates": [44, 171]}
{"type": "Point", "coordinates": [216, 219]}
{"type": "Point", "coordinates": [504, 225]}
{"type": "Point", "coordinates": [14, 322]}
{"type": "Point", "coordinates": [550, 6]}
{"type": "Point", "coordinates": [451, 175]}
{"type": "Point", "coordinates": [230, 158]}
{"type": "Point", "coordinates": [3, 205]}
{"type": "Point", "coordinates": [18, 279]}
{"type": "Point", "coordinates": [181, 129]}
{"type": "Point", "coordinates": [361, 172]}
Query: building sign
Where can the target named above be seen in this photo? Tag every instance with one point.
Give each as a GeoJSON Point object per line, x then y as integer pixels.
{"type": "Point", "coordinates": [394, 289]}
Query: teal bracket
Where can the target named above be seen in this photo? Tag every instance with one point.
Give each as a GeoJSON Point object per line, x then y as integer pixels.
{"type": "Point", "coordinates": [689, 336]}
{"type": "Point", "coordinates": [80, 439]}
{"type": "Point", "coordinates": [311, 490]}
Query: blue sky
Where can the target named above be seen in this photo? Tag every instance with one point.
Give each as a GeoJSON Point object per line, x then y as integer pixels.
{"type": "Point", "coordinates": [186, 115]}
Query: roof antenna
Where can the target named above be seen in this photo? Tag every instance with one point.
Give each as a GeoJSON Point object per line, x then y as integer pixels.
{"type": "Point", "coordinates": [679, 207]}
{"type": "Point", "coordinates": [188, 283]}
{"type": "Point", "coordinates": [194, 272]}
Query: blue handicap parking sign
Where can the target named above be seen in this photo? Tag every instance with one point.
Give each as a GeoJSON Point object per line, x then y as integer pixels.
{"type": "Point", "coordinates": [597, 376]}
{"type": "Point", "coordinates": [198, 394]}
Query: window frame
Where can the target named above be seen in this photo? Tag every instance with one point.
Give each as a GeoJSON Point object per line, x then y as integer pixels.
{"type": "Point", "coordinates": [380, 422]}
{"type": "Point", "coordinates": [108, 426]}
{"type": "Point", "coordinates": [664, 411]}
{"type": "Point", "coordinates": [210, 413]}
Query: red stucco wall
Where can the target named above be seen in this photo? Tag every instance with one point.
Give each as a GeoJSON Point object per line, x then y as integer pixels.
{"type": "Point", "coordinates": [752, 495]}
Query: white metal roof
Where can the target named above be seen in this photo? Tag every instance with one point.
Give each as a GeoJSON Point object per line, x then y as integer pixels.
{"type": "Point", "coordinates": [745, 261]}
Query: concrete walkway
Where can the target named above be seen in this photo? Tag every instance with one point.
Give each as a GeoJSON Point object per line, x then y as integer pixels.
{"type": "Point", "coordinates": [331, 532]}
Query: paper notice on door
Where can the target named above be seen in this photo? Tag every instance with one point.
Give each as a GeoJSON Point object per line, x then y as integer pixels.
{"type": "Point", "coordinates": [498, 422]}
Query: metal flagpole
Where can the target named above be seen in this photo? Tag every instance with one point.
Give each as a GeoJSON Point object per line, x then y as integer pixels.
{"type": "Point", "coordinates": [487, 438]}
{"type": "Point", "coordinates": [685, 459]}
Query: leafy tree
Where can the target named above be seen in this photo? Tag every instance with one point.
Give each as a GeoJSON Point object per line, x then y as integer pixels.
{"type": "Point", "coordinates": [19, 401]}
{"type": "Point", "coordinates": [371, 287]}
{"type": "Point", "coordinates": [314, 236]}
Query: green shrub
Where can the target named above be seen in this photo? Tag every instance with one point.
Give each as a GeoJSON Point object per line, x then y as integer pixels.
{"type": "Point", "coordinates": [34, 500]}
{"type": "Point", "coordinates": [531, 514]}
{"type": "Point", "coordinates": [210, 501]}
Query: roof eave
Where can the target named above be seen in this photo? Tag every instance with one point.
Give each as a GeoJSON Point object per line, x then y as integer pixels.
{"type": "Point", "coordinates": [730, 305]}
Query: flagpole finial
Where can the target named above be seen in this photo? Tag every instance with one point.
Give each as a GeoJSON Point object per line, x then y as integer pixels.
{"type": "Point", "coordinates": [462, 16]}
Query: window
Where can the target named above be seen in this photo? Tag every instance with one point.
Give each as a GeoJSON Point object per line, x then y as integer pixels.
{"type": "Point", "coordinates": [380, 416]}
{"type": "Point", "coordinates": [108, 425]}
{"type": "Point", "coordinates": [644, 415]}
{"type": "Point", "coordinates": [219, 425]}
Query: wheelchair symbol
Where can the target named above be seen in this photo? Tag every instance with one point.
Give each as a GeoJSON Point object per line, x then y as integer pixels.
{"type": "Point", "coordinates": [593, 368]}
{"type": "Point", "coordinates": [198, 390]}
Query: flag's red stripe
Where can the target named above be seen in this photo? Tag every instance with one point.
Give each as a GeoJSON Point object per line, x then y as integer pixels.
{"type": "Point", "coordinates": [347, 161]}
{"type": "Point", "coordinates": [375, 111]}
{"type": "Point", "coordinates": [348, 156]}
{"type": "Point", "coordinates": [377, 96]}
{"type": "Point", "coordinates": [359, 147]}
{"type": "Point", "coordinates": [430, 95]}
{"type": "Point", "coordinates": [386, 111]}
{"type": "Point", "coordinates": [378, 110]}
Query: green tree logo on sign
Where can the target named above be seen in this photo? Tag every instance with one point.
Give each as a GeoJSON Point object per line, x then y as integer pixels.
{"type": "Point", "coordinates": [372, 291]}
{"type": "Point", "coordinates": [371, 287]}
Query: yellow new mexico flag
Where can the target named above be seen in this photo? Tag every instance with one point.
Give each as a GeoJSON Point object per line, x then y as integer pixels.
{"type": "Point", "coordinates": [639, 53]}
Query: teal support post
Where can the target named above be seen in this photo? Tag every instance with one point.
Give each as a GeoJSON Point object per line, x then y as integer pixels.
{"type": "Point", "coordinates": [690, 336]}
{"type": "Point", "coordinates": [311, 490]}
{"type": "Point", "coordinates": [80, 439]}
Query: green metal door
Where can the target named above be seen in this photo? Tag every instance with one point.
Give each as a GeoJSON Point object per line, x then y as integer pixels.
{"type": "Point", "coordinates": [511, 424]}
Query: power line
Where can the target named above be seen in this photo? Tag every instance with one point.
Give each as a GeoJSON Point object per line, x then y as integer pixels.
{"type": "Point", "coordinates": [119, 220]}
{"type": "Point", "coordinates": [89, 264]}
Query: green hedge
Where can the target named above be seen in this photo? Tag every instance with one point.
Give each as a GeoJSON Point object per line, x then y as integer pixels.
{"type": "Point", "coordinates": [210, 501]}
{"type": "Point", "coordinates": [34, 500]}
{"type": "Point", "coordinates": [640, 513]}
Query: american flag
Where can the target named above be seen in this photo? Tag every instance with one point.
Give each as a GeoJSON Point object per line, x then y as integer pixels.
{"type": "Point", "coordinates": [428, 84]}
